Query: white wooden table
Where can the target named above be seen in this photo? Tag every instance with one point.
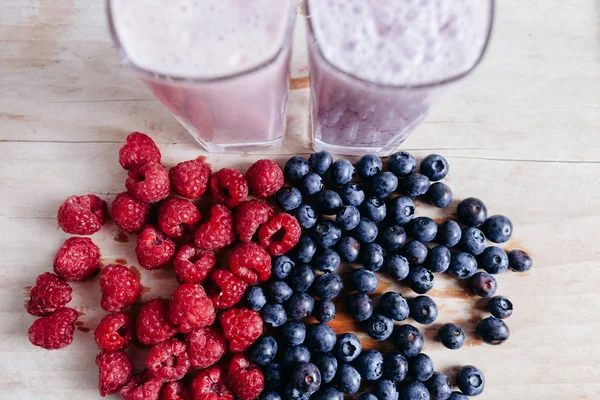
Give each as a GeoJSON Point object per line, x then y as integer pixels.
{"type": "Point", "coordinates": [522, 134]}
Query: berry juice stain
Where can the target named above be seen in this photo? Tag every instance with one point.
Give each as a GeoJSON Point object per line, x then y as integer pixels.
{"type": "Point", "coordinates": [121, 237]}
{"type": "Point", "coordinates": [83, 329]}
{"type": "Point", "coordinates": [121, 261]}
{"type": "Point", "coordinates": [136, 272]}
{"type": "Point", "coordinates": [202, 159]}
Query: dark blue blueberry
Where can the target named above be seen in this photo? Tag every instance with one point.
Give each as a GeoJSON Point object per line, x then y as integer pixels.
{"type": "Point", "coordinates": [306, 378]}
{"type": "Point", "coordinates": [397, 266]}
{"type": "Point", "coordinates": [452, 336]}
{"type": "Point", "coordinates": [448, 234]}
{"type": "Point", "coordinates": [273, 314]}
{"type": "Point", "coordinates": [395, 367]}
{"type": "Point", "coordinates": [471, 212]}
{"type": "Point", "coordinates": [462, 265]}
{"type": "Point", "coordinates": [302, 278]}
{"type": "Point", "coordinates": [498, 228]}
{"type": "Point", "coordinates": [420, 367]}
{"type": "Point", "coordinates": [328, 286]}
{"type": "Point", "coordinates": [347, 217]}
{"type": "Point", "coordinates": [352, 194]}
{"type": "Point", "coordinates": [263, 351]}
{"type": "Point", "coordinates": [457, 396]}
{"type": "Point", "coordinates": [324, 311]}
{"type": "Point", "coordinates": [394, 306]}
{"type": "Point", "coordinates": [293, 333]}
{"type": "Point", "coordinates": [369, 365]}
{"type": "Point", "coordinates": [500, 307]}
{"type": "Point", "coordinates": [363, 280]}
{"type": "Point", "coordinates": [306, 216]}
{"type": "Point", "coordinates": [384, 184]}
{"type": "Point", "coordinates": [402, 163]}
{"type": "Point", "coordinates": [269, 395]}
{"type": "Point", "coordinates": [435, 167]}
{"type": "Point", "coordinates": [327, 364]}
{"type": "Point", "coordinates": [414, 391]}
{"type": "Point", "coordinates": [423, 229]}
{"type": "Point", "coordinates": [328, 202]}
{"type": "Point", "coordinates": [519, 261]}
{"type": "Point", "coordinates": [295, 355]}
{"type": "Point", "coordinates": [320, 337]}
{"type": "Point", "coordinates": [438, 259]}
{"type": "Point", "coordinates": [347, 378]}
{"type": "Point", "coordinates": [342, 172]}
{"type": "Point", "coordinates": [439, 195]}
{"type": "Point", "coordinates": [423, 309]}
{"type": "Point", "coordinates": [288, 198]}
{"type": "Point", "coordinates": [368, 166]}
{"type": "Point", "coordinates": [348, 347]}
{"type": "Point", "coordinates": [348, 248]}
{"type": "Point", "coordinates": [366, 231]}
{"type": "Point", "coordinates": [415, 252]}
{"type": "Point", "coordinates": [311, 184]}
{"type": "Point", "coordinates": [326, 234]}
{"type": "Point", "coordinates": [367, 396]}
{"type": "Point", "coordinates": [282, 267]}
{"type": "Point", "coordinates": [483, 284]}
{"type": "Point", "coordinates": [300, 306]}
{"type": "Point", "coordinates": [327, 260]}
{"type": "Point", "coordinates": [386, 389]}
{"type": "Point", "coordinates": [392, 237]}
{"type": "Point", "coordinates": [278, 291]}
{"type": "Point", "coordinates": [273, 374]}
{"type": "Point", "coordinates": [304, 250]}
{"type": "Point", "coordinates": [374, 209]}
{"type": "Point", "coordinates": [380, 327]}
{"type": "Point", "coordinates": [472, 241]}
{"type": "Point", "coordinates": [372, 256]}
{"type": "Point", "coordinates": [402, 210]}
{"type": "Point", "coordinates": [295, 168]}
{"type": "Point", "coordinates": [320, 162]}
{"type": "Point", "coordinates": [470, 380]}
{"type": "Point", "coordinates": [291, 393]}
{"type": "Point", "coordinates": [493, 330]}
{"type": "Point", "coordinates": [360, 306]}
{"type": "Point", "coordinates": [439, 386]}
{"type": "Point", "coordinates": [255, 298]}
{"type": "Point", "coordinates": [420, 279]}
{"type": "Point", "coordinates": [414, 185]}
{"type": "Point", "coordinates": [493, 260]}
{"type": "Point", "coordinates": [328, 393]}
{"type": "Point", "coordinates": [408, 340]}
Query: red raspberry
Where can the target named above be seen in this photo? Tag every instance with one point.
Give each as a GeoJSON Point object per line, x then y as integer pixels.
{"type": "Point", "coordinates": [54, 331]}
{"type": "Point", "coordinates": [190, 178]}
{"type": "Point", "coordinates": [48, 294]}
{"type": "Point", "coordinates": [245, 378]}
{"type": "Point", "coordinates": [152, 325]}
{"type": "Point", "coordinates": [250, 262]}
{"type": "Point", "coordinates": [211, 385]}
{"type": "Point", "coordinates": [82, 215]}
{"type": "Point", "coordinates": [192, 265]}
{"type": "Point", "coordinates": [205, 346]}
{"type": "Point", "coordinates": [120, 287]}
{"type": "Point", "coordinates": [249, 216]}
{"type": "Point", "coordinates": [138, 150]}
{"type": "Point", "coordinates": [114, 332]}
{"type": "Point", "coordinates": [153, 249]}
{"type": "Point", "coordinates": [176, 216]}
{"type": "Point", "coordinates": [77, 259]}
{"type": "Point", "coordinates": [141, 386]}
{"type": "Point", "coordinates": [168, 360]}
{"type": "Point", "coordinates": [225, 289]}
{"type": "Point", "coordinates": [241, 327]}
{"type": "Point", "coordinates": [191, 308]}
{"type": "Point", "coordinates": [268, 235]}
{"type": "Point", "coordinates": [148, 183]}
{"type": "Point", "coordinates": [175, 391]}
{"type": "Point", "coordinates": [129, 214]}
{"type": "Point", "coordinates": [228, 186]}
{"type": "Point", "coordinates": [218, 231]}
{"type": "Point", "coordinates": [115, 372]}
{"type": "Point", "coordinates": [265, 178]}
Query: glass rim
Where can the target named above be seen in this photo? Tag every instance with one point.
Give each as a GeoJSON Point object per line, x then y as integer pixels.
{"type": "Point", "coordinates": [427, 85]}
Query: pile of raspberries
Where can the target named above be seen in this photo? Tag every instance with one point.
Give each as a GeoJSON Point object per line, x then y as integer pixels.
{"type": "Point", "coordinates": [191, 331]}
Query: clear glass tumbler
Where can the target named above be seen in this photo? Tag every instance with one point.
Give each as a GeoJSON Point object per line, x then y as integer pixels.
{"type": "Point", "coordinates": [220, 66]}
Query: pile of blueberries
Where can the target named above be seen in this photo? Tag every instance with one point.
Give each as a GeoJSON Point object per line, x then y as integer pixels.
{"type": "Point", "coordinates": [368, 222]}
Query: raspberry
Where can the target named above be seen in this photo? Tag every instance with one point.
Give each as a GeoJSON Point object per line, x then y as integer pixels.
{"type": "Point", "coordinates": [205, 346]}
{"type": "Point", "coordinates": [148, 183]}
{"type": "Point", "coordinates": [114, 332]}
{"type": "Point", "coordinates": [77, 259]}
{"type": "Point", "coordinates": [245, 378]}
{"type": "Point", "coordinates": [211, 385]}
{"type": "Point", "coordinates": [152, 325]}
{"type": "Point", "coordinates": [138, 150]}
{"type": "Point", "coordinates": [226, 289]}
{"type": "Point", "coordinates": [218, 231]}
{"type": "Point", "coordinates": [175, 391]}
{"type": "Point", "coordinates": [82, 215]}
{"type": "Point", "coordinates": [141, 387]}
{"type": "Point", "coordinates": [153, 249]}
{"type": "Point", "coordinates": [190, 308]}
{"type": "Point", "coordinates": [48, 294]}
{"type": "Point", "coordinates": [280, 234]}
{"type": "Point", "coordinates": [129, 214]}
{"type": "Point", "coordinates": [120, 287]}
{"type": "Point", "coordinates": [176, 216]}
{"type": "Point", "coordinates": [249, 216]}
{"type": "Point", "coordinates": [54, 331]}
{"type": "Point", "coordinates": [250, 262]}
{"type": "Point", "coordinates": [192, 265]}
{"type": "Point", "coordinates": [228, 186]}
{"type": "Point", "coordinates": [190, 178]}
{"type": "Point", "coordinates": [168, 360]}
{"type": "Point", "coordinates": [115, 372]}
{"type": "Point", "coordinates": [265, 178]}
{"type": "Point", "coordinates": [241, 327]}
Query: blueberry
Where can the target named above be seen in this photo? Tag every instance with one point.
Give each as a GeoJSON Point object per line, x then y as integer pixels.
{"type": "Point", "coordinates": [392, 237]}
{"type": "Point", "coordinates": [255, 298]}
{"type": "Point", "coordinates": [272, 373]}
{"type": "Point", "coordinates": [449, 233]}
{"type": "Point", "coordinates": [324, 311]}
{"type": "Point", "coordinates": [408, 340]}
{"type": "Point", "coordinates": [310, 184]}
{"type": "Point", "coordinates": [414, 185]}
{"type": "Point", "coordinates": [363, 280]}
{"type": "Point", "coordinates": [320, 337]}
{"type": "Point", "coordinates": [327, 260]}
{"type": "Point", "coordinates": [348, 248]}
{"type": "Point", "coordinates": [438, 259]}
{"type": "Point", "coordinates": [328, 286]}
{"type": "Point", "coordinates": [423, 229]}
{"type": "Point", "coordinates": [288, 198]}
{"type": "Point", "coordinates": [291, 393]}
{"type": "Point", "coordinates": [372, 256]}
{"type": "Point", "coordinates": [360, 306]}
{"type": "Point", "coordinates": [320, 162]}
{"type": "Point", "coordinates": [342, 172]}
{"type": "Point", "coordinates": [327, 364]}
{"type": "Point", "coordinates": [483, 284]}
{"type": "Point", "coordinates": [295, 168]}
{"type": "Point", "coordinates": [273, 314]}
{"type": "Point", "coordinates": [263, 351]}
{"type": "Point", "coordinates": [493, 260]}
{"type": "Point", "coordinates": [462, 265]}
{"type": "Point", "coordinates": [519, 261]}
{"type": "Point", "coordinates": [472, 212]}
{"type": "Point", "coordinates": [420, 279]}
{"type": "Point", "coordinates": [397, 266]}
{"type": "Point", "coordinates": [281, 267]}
{"type": "Point", "coordinates": [348, 347]}
{"type": "Point", "coordinates": [326, 234]}
{"type": "Point", "coordinates": [420, 367]}
{"type": "Point", "coordinates": [302, 278]}
{"type": "Point", "coordinates": [306, 216]}
{"type": "Point", "coordinates": [295, 355]}
{"type": "Point", "coordinates": [402, 163]}
{"type": "Point", "coordinates": [328, 393]}
{"type": "Point", "coordinates": [452, 336]}
{"type": "Point", "coordinates": [384, 184]}
{"type": "Point", "coordinates": [366, 231]}
{"type": "Point", "coordinates": [500, 307]}
{"type": "Point", "coordinates": [385, 389]}
{"type": "Point", "coordinates": [299, 306]}
{"type": "Point", "coordinates": [394, 306]}
{"type": "Point", "coordinates": [423, 309]}
{"type": "Point", "coordinates": [370, 365]}
{"type": "Point", "coordinates": [306, 378]}
{"type": "Point", "coordinates": [368, 166]}
{"type": "Point", "coordinates": [457, 396]}
{"type": "Point", "coordinates": [269, 395]}
{"type": "Point", "coordinates": [352, 194]}
{"type": "Point", "coordinates": [439, 386]}
{"type": "Point", "coordinates": [304, 250]}
{"type": "Point", "coordinates": [439, 195]}
{"type": "Point", "coordinates": [493, 331]}
{"type": "Point", "coordinates": [293, 333]}
{"type": "Point", "coordinates": [415, 252]}
{"type": "Point", "coordinates": [374, 209]}
{"type": "Point", "coordinates": [402, 210]}
{"type": "Point", "coordinates": [395, 367]}
{"type": "Point", "coordinates": [380, 327]}
{"type": "Point", "coordinates": [348, 379]}
{"type": "Point", "coordinates": [472, 241]}
{"type": "Point", "coordinates": [278, 291]}
{"type": "Point", "coordinates": [470, 380]}
{"type": "Point", "coordinates": [498, 228]}
{"type": "Point", "coordinates": [347, 217]}
{"type": "Point", "coordinates": [414, 391]}
{"type": "Point", "coordinates": [328, 202]}
{"type": "Point", "coordinates": [435, 167]}
{"type": "Point", "coordinates": [367, 396]}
